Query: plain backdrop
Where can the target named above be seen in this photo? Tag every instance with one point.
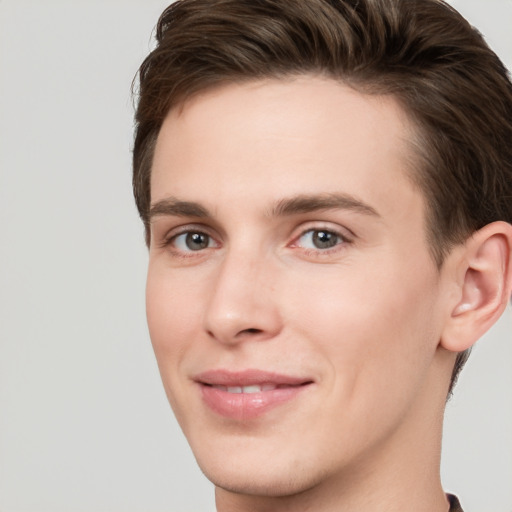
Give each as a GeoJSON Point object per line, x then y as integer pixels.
{"type": "Point", "coordinates": [84, 423]}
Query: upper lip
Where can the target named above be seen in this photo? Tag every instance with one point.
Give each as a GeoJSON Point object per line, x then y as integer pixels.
{"type": "Point", "coordinates": [251, 377]}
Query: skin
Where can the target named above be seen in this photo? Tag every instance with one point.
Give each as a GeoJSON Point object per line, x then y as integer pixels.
{"type": "Point", "coordinates": [363, 319]}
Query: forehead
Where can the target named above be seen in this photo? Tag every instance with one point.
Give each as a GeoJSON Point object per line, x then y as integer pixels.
{"type": "Point", "coordinates": [283, 137]}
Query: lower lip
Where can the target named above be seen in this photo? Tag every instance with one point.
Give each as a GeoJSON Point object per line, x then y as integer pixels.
{"type": "Point", "coordinates": [247, 406]}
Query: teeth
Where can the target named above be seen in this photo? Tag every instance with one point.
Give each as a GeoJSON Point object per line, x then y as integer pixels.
{"type": "Point", "coordinates": [247, 389]}
{"type": "Point", "coordinates": [252, 389]}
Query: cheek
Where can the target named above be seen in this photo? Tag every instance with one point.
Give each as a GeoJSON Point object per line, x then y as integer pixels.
{"type": "Point", "coordinates": [375, 329]}
{"type": "Point", "coordinates": [172, 313]}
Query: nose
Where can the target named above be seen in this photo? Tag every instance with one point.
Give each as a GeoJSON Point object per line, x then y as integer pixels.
{"type": "Point", "coordinates": [243, 303]}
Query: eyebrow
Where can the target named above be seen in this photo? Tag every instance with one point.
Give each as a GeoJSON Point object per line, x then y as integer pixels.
{"type": "Point", "coordinates": [295, 205]}
{"type": "Point", "coordinates": [311, 203]}
{"type": "Point", "coordinates": [176, 208]}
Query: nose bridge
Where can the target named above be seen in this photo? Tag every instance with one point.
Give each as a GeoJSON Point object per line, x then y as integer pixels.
{"type": "Point", "coordinates": [242, 302]}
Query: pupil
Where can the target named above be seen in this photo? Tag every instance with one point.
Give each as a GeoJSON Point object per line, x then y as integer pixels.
{"type": "Point", "coordinates": [196, 241]}
{"type": "Point", "coordinates": [324, 239]}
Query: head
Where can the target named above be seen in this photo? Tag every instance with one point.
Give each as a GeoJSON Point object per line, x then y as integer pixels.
{"type": "Point", "coordinates": [454, 89]}
{"type": "Point", "coordinates": [448, 93]}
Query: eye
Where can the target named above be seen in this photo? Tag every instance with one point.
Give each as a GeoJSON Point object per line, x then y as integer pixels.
{"type": "Point", "coordinates": [319, 239]}
{"type": "Point", "coordinates": [192, 241]}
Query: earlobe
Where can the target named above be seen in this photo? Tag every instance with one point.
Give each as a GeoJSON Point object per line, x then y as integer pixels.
{"type": "Point", "coordinates": [485, 288]}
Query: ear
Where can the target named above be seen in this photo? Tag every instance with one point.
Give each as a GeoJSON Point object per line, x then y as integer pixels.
{"type": "Point", "coordinates": [484, 287]}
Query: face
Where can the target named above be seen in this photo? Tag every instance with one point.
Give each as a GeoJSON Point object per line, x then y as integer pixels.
{"type": "Point", "coordinates": [292, 300]}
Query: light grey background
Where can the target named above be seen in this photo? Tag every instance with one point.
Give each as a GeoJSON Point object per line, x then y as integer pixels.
{"type": "Point", "coordinates": [84, 424]}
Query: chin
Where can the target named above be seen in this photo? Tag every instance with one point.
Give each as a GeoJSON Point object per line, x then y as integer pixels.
{"type": "Point", "coordinates": [270, 473]}
{"type": "Point", "coordinates": [262, 483]}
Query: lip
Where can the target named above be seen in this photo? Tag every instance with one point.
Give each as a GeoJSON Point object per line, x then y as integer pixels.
{"type": "Point", "coordinates": [276, 389]}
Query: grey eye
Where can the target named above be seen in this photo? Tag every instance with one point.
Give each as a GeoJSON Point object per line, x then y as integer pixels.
{"type": "Point", "coordinates": [193, 241]}
{"type": "Point", "coordinates": [197, 241]}
{"type": "Point", "coordinates": [324, 239]}
{"type": "Point", "coordinates": [319, 239]}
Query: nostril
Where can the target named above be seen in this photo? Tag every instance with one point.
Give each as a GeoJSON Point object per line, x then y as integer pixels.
{"type": "Point", "coordinates": [252, 331]}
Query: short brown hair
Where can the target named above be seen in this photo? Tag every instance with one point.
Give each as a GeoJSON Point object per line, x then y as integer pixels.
{"type": "Point", "coordinates": [451, 84]}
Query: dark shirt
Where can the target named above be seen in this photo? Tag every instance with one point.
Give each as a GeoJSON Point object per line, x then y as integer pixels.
{"type": "Point", "coordinates": [454, 504]}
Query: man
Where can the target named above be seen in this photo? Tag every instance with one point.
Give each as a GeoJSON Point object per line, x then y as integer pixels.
{"type": "Point", "coordinates": [325, 188]}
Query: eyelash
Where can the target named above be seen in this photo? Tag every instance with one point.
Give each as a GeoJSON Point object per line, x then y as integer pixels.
{"type": "Point", "coordinates": [170, 240]}
{"type": "Point", "coordinates": [341, 241]}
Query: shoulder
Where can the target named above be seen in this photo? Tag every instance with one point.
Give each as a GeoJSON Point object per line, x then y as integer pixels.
{"type": "Point", "coordinates": [454, 503]}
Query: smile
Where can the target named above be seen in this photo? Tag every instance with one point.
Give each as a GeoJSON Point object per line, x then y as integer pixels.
{"type": "Point", "coordinates": [244, 396]}
{"type": "Point", "coordinates": [251, 389]}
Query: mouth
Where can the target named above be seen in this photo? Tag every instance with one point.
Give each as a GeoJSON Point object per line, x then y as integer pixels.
{"type": "Point", "coordinates": [253, 388]}
{"type": "Point", "coordinates": [246, 395]}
